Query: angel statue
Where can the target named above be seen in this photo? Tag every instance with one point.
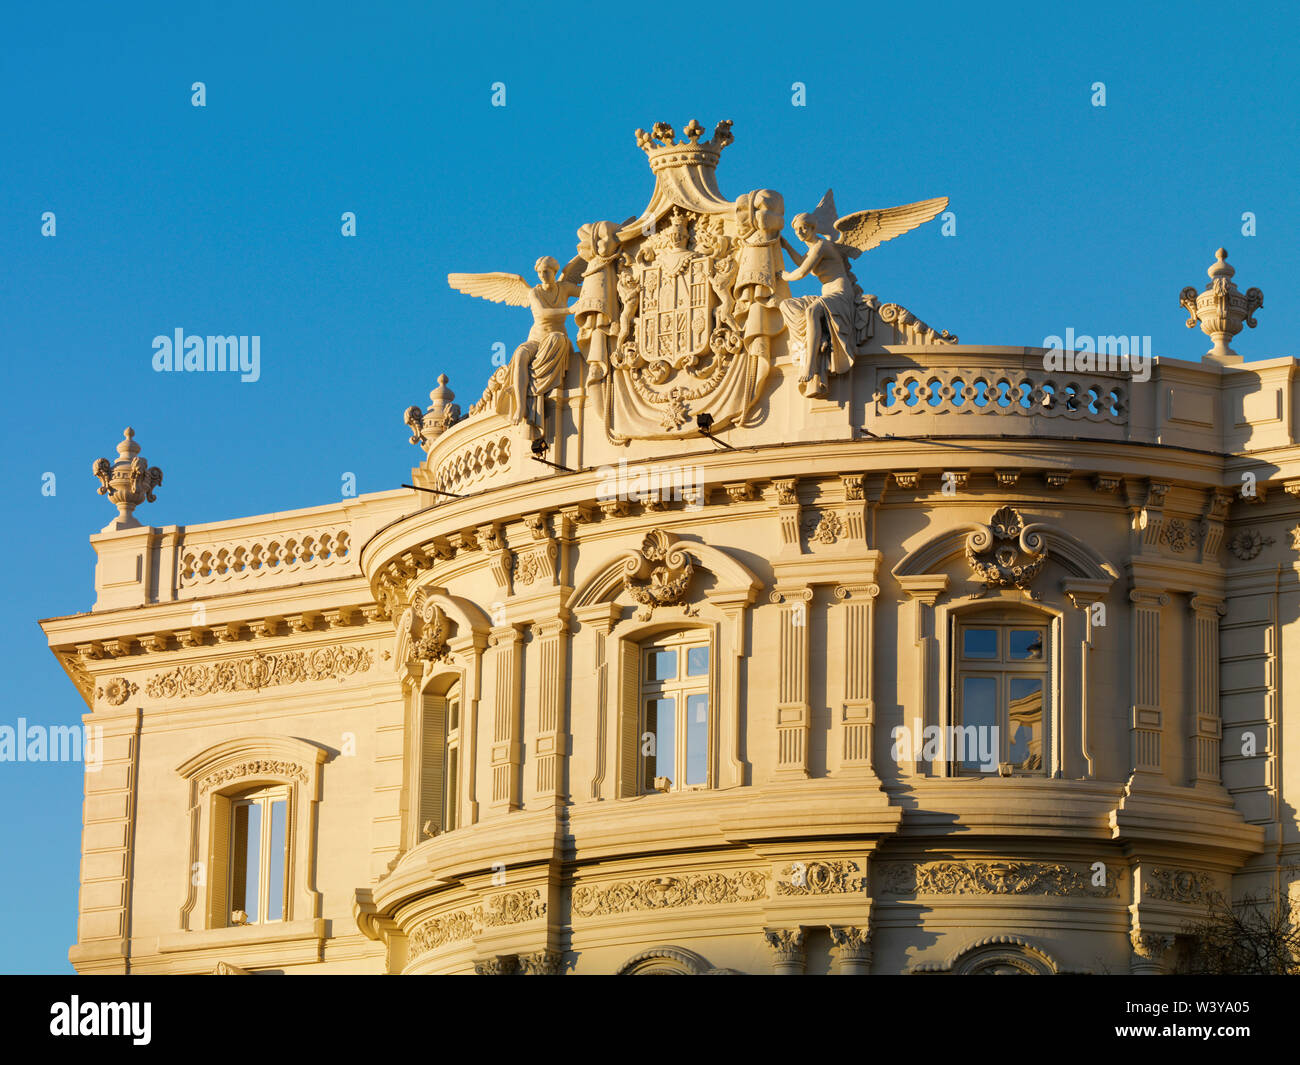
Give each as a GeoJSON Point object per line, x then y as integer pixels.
{"type": "Point", "coordinates": [828, 331]}
{"type": "Point", "coordinates": [539, 363]}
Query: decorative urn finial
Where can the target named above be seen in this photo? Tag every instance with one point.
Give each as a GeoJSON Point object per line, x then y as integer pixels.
{"type": "Point", "coordinates": [442, 414]}
{"type": "Point", "coordinates": [128, 482]}
{"type": "Point", "coordinates": [1221, 308]}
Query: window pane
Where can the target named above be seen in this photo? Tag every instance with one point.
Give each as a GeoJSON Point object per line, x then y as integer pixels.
{"type": "Point", "coordinates": [979, 710]}
{"type": "Point", "coordinates": [659, 745]}
{"type": "Point", "coordinates": [453, 759]}
{"type": "Point", "coordinates": [1024, 644]}
{"type": "Point", "coordinates": [661, 665]}
{"type": "Point", "coordinates": [278, 857]}
{"type": "Point", "coordinates": [697, 662]}
{"type": "Point", "coordinates": [246, 864]}
{"type": "Point", "coordinates": [453, 713]}
{"type": "Point", "coordinates": [979, 643]}
{"type": "Point", "coordinates": [697, 739]}
{"type": "Point", "coordinates": [1025, 723]}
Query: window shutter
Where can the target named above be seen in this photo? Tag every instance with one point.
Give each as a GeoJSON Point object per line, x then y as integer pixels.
{"type": "Point", "coordinates": [433, 723]}
{"type": "Point", "coordinates": [218, 870]}
{"type": "Point", "coordinates": [629, 717]}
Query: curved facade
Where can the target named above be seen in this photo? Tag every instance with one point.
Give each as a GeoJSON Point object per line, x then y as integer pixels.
{"type": "Point", "coordinates": [907, 656]}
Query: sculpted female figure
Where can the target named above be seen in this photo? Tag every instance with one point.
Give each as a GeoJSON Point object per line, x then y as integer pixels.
{"type": "Point", "coordinates": [538, 365]}
{"type": "Point", "coordinates": [596, 311]}
{"type": "Point", "coordinates": [827, 330]}
{"type": "Point", "coordinates": [760, 215]}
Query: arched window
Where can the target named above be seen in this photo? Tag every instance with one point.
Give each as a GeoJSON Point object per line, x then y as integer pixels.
{"type": "Point", "coordinates": [674, 712]}
{"type": "Point", "coordinates": [258, 884]}
{"type": "Point", "coordinates": [1000, 692]}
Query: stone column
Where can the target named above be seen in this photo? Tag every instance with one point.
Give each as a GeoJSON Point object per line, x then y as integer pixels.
{"type": "Point", "coordinates": [787, 950]}
{"type": "Point", "coordinates": [858, 721]}
{"type": "Point", "coordinates": [793, 709]}
{"type": "Point", "coordinates": [553, 653]}
{"type": "Point", "coordinates": [507, 750]}
{"type": "Point", "coordinates": [1150, 953]}
{"type": "Point", "coordinates": [853, 949]}
{"type": "Point", "coordinates": [1204, 729]}
{"type": "Point", "coordinates": [924, 590]}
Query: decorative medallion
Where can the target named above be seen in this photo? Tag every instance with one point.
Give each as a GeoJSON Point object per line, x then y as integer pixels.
{"type": "Point", "coordinates": [659, 574]}
{"type": "Point", "coordinates": [1006, 552]}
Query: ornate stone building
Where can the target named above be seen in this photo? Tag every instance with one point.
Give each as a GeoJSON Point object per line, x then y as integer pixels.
{"type": "Point", "coordinates": [752, 632]}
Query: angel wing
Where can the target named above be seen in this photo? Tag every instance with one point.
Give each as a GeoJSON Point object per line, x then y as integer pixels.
{"type": "Point", "coordinates": [823, 214]}
{"type": "Point", "coordinates": [573, 271]}
{"type": "Point", "coordinates": [863, 230]}
{"type": "Point", "coordinates": [499, 288]}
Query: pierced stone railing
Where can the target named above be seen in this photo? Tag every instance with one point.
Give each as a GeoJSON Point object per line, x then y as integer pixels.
{"type": "Point", "coordinates": [1001, 393]}
{"type": "Point", "coordinates": [292, 552]}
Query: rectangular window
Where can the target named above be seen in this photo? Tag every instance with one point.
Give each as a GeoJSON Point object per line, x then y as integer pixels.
{"type": "Point", "coordinates": [259, 856]}
{"type": "Point", "coordinates": [999, 710]}
{"type": "Point", "coordinates": [676, 727]}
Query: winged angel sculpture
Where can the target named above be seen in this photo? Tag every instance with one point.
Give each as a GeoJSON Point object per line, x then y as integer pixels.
{"type": "Point", "coordinates": [827, 331]}
{"type": "Point", "coordinates": [539, 363]}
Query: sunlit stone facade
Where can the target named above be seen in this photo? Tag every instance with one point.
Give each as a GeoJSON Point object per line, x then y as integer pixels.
{"type": "Point", "coordinates": [681, 702]}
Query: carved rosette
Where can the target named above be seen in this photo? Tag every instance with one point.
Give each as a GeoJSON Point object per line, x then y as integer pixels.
{"type": "Point", "coordinates": [1006, 552]}
{"type": "Point", "coordinates": [659, 574]}
{"type": "Point", "coordinates": [116, 690]}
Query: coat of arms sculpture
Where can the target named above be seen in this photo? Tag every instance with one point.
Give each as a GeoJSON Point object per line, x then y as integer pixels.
{"type": "Point", "coordinates": [677, 310]}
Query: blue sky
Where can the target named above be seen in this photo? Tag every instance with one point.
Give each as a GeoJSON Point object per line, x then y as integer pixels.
{"type": "Point", "coordinates": [226, 219]}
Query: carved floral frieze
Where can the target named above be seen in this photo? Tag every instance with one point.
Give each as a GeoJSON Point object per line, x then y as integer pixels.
{"type": "Point", "coordinates": [261, 767]}
{"type": "Point", "coordinates": [506, 908]}
{"type": "Point", "coordinates": [995, 878]}
{"type": "Point", "coordinates": [666, 892]}
{"type": "Point", "coordinates": [257, 671]}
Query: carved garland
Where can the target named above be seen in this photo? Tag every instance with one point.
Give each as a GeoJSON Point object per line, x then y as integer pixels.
{"type": "Point", "coordinates": [507, 908]}
{"type": "Point", "coordinates": [257, 671]}
{"type": "Point", "coordinates": [261, 767]}
{"type": "Point", "coordinates": [995, 878]}
{"type": "Point", "coordinates": [659, 893]}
